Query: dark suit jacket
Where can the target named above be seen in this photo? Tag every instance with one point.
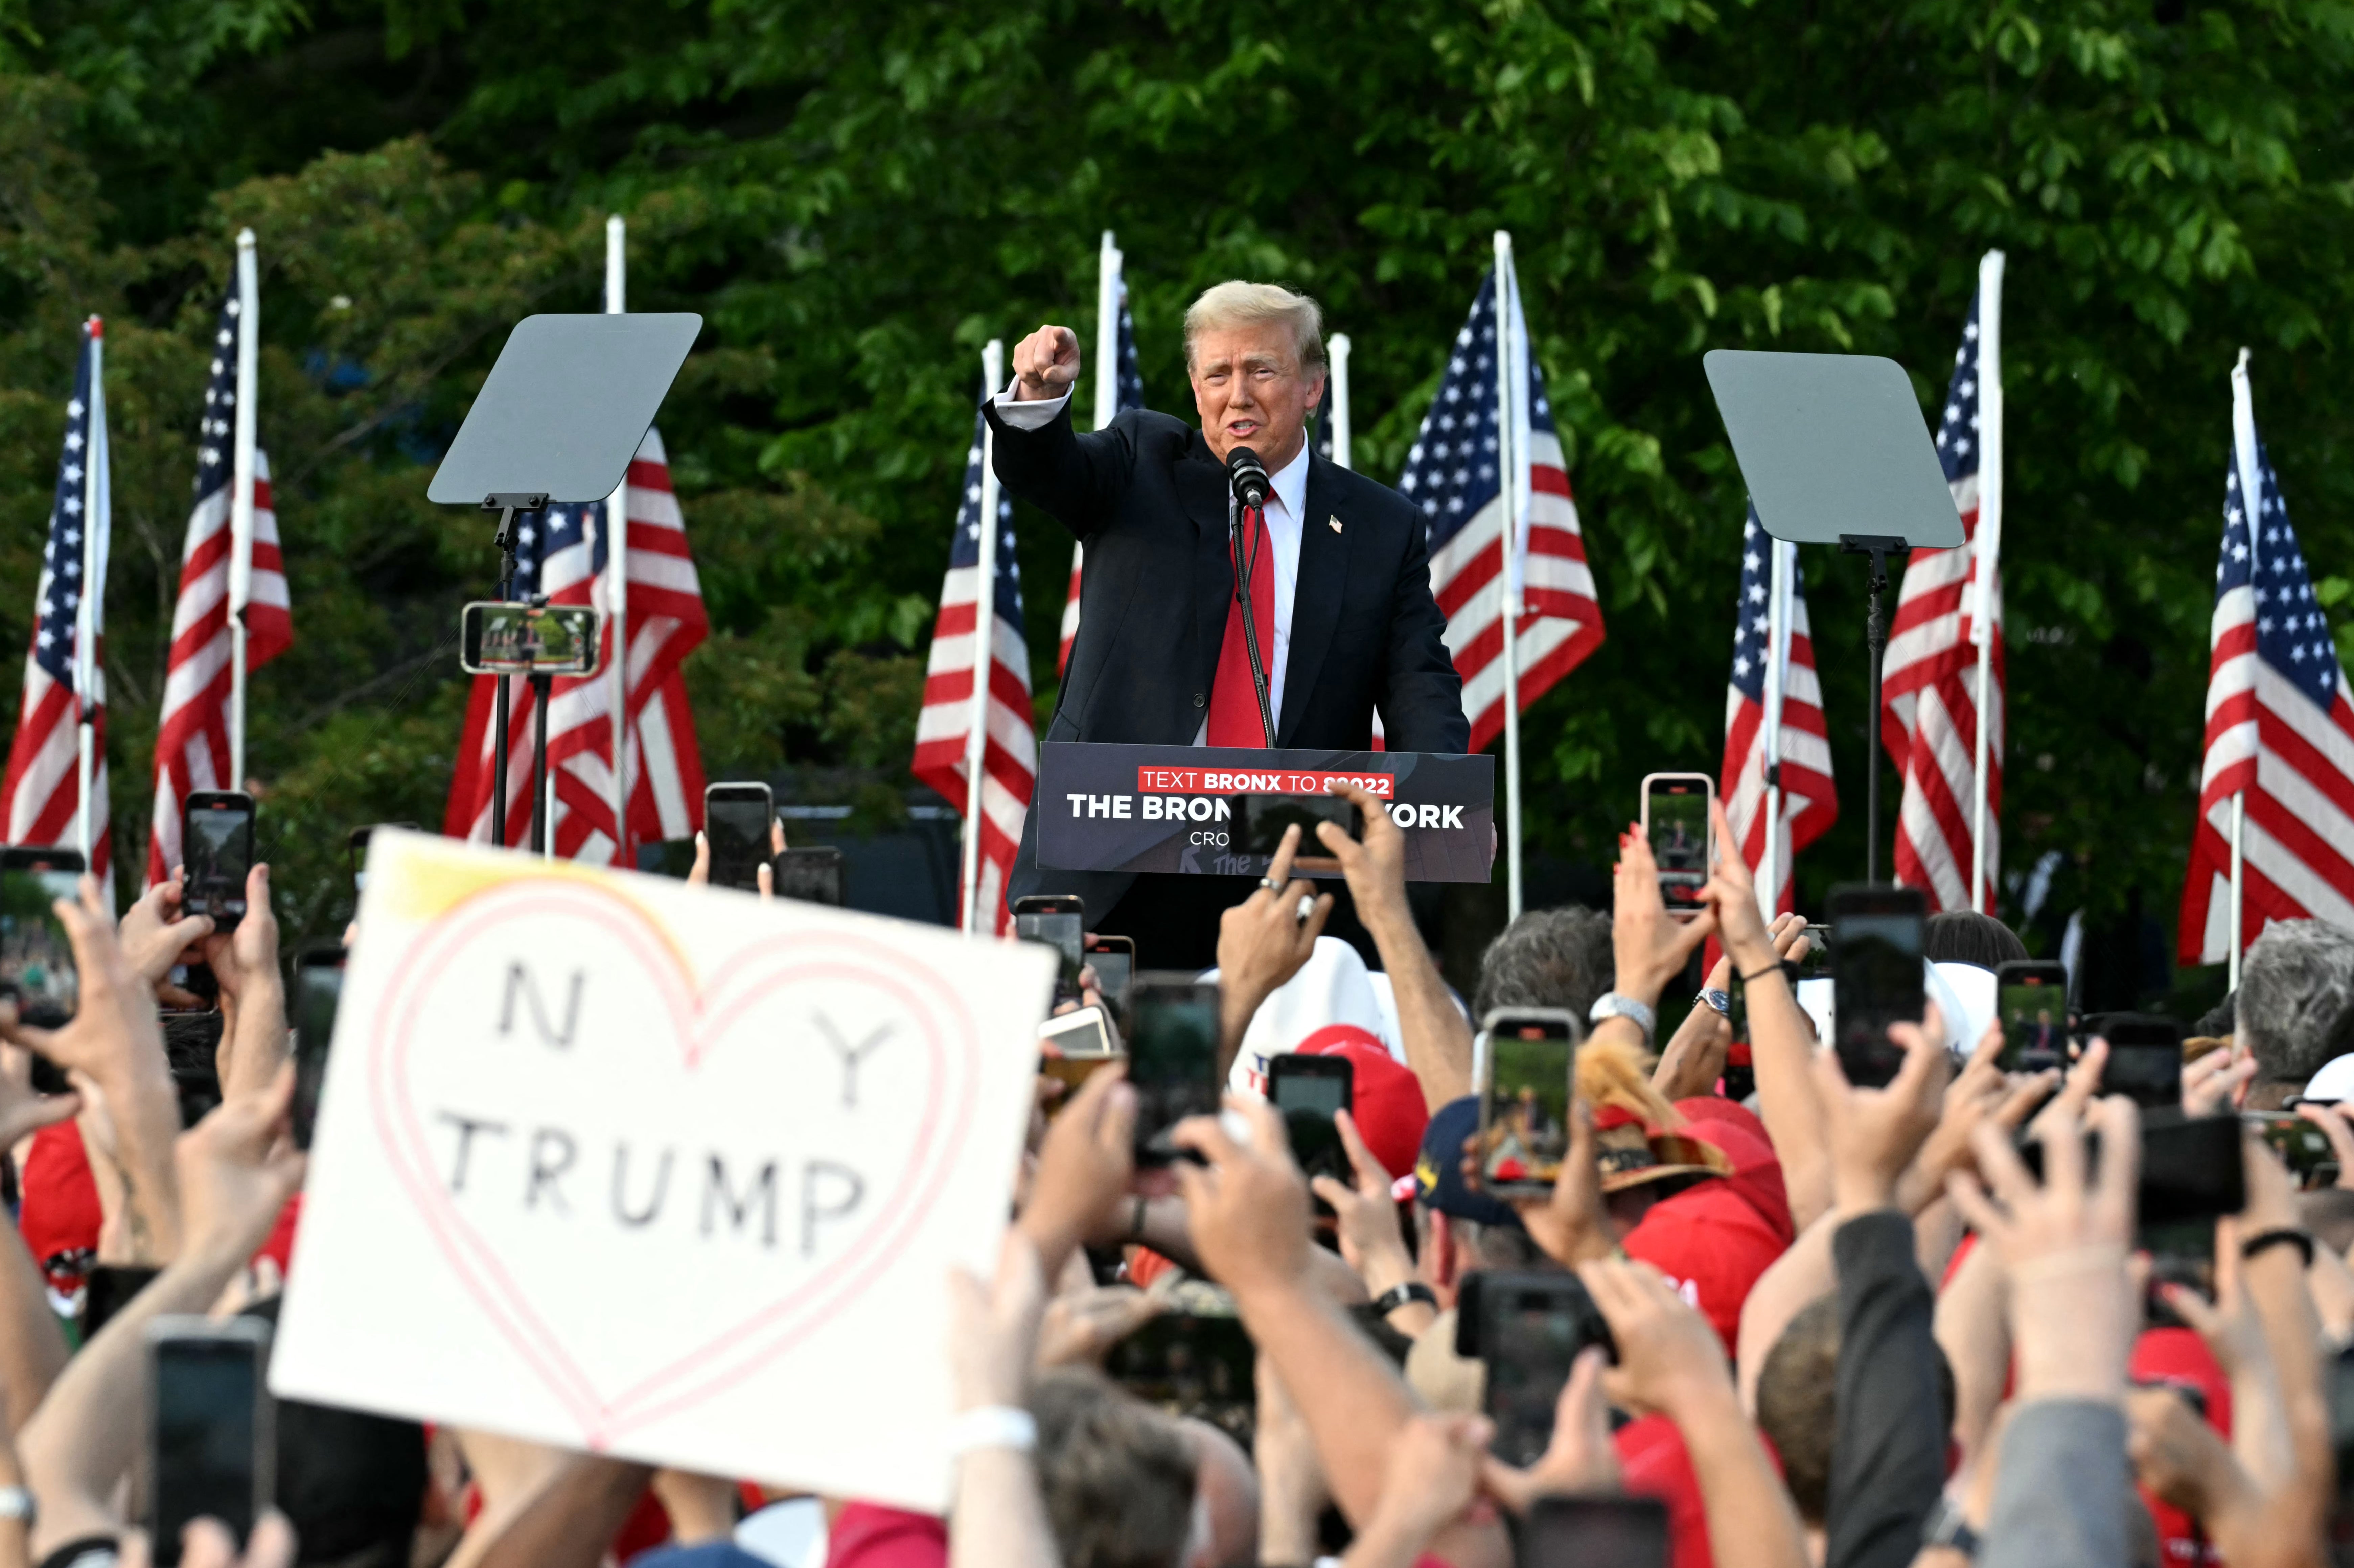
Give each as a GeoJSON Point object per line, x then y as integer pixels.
{"type": "Point", "coordinates": [1149, 503]}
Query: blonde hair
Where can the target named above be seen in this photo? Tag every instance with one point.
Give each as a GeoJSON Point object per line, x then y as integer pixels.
{"type": "Point", "coordinates": [1234, 303]}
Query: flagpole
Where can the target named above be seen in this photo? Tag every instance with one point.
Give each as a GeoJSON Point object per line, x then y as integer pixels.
{"type": "Point", "coordinates": [1337, 351]}
{"type": "Point", "coordinates": [1784, 559]}
{"type": "Point", "coordinates": [241, 481]}
{"type": "Point", "coordinates": [1108, 262]}
{"type": "Point", "coordinates": [984, 630]}
{"type": "Point", "coordinates": [1985, 552]}
{"type": "Point", "coordinates": [2243, 457]}
{"type": "Point", "coordinates": [87, 619]}
{"type": "Point", "coordinates": [617, 573]}
{"type": "Point", "coordinates": [1511, 385]}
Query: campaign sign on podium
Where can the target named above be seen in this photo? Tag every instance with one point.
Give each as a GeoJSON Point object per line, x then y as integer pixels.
{"type": "Point", "coordinates": [1172, 808]}
{"type": "Point", "coordinates": [670, 1172]}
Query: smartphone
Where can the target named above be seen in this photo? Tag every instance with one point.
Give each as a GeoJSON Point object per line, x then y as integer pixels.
{"type": "Point", "coordinates": [2191, 1174]}
{"type": "Point", "coordinates": [2031, 1001]}
{"type": "Point", "coordinates": [2303, 1148]}
{"type": "Point", "coordinates": [1265, 818]}
{"type": "Point", "coordinates": [1184, 1361]}
{"type": "Point", "coordinates": [1059, 920]}
{"type": "Point", "coordinates": [2145, 1058]}
{"type": "Point", "coordinates": [1522, 1061]}
{"type": "Point", "coordinates": [356, 848]}
{"type": "Point", "coordinates": [1600, 1530]}
{"type": "Point", "coordinates": [1684, 840]}
{"type": "Point", "coordinates": [1114, 960]}
{"type": "Point", "coordinates": [1876, 932]}
{"type": "Point", "coordinates": [510, 637]}
{"type": "Point", "coordinates": [217, 845]}
{"type": "Point", "coordinates": [213, 1454]}
{"type": "Point", "coordinates": [37, 961]}
{"type": "Point", "coordinates": [1172, 1058]}
{"type": "Point", "coordinates": [1308, 1090]}
{"type": "Point", "coordinates": [1086, 1033]}
{"type": "Point", "coordinates": [736, 819]}
{"type": "Point", "coordinates": [1531, 1328]}
{"type": "Point", "coordinates": [1816, 964]}
{"type": "Point", "coordinates": [318, 987]}
{"type": "Point", "coordinates": [811, 875]}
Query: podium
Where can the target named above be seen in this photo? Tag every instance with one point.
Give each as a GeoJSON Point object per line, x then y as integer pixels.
{"type": "Point", "coordinates": [1169, 809]}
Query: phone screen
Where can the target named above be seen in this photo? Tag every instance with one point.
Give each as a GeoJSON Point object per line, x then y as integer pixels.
{"type": "Point", "coordinates": [36, 961]}
{"type": "Point", "coordinates": [318, 988]}
{"type": "Point", "coordinates": [2031, 1001]}
{"type": "Point", "coordinates": [811, 875]}
{"type": "Point", "coordinates": [735, 823]}
{"type": "Point", "coordinates": [2303, 1148]}
{"type": "Point", "coordinates": [1876, 982]}
{"type": "Point", "coordinates": [1114, 961]}
{"type": "Point", "coordinates": [1524, 1101]}
{"type": "Point", "coordinates": [1308, 1090]}
{"type": "Point", "coordinates": [1677, 812]}
{"type": "Point", "coordinates": [211, 1458]}
{"type": "Point", "coordinates": [505, 638]}
{"type": "Point", "coordinates": [217, 845]}
{"type": "Point", "coordinates": [1061, 929]}
{"type": "Point", "coordinates": [1532, 1328]}
{"type": "Point", "coordinates": [2148, 1073]}
{"type": "Point", "coordinates": [1266, 817]}
{"type": "Point", "coordinates": [1173, 1061]}
{"type": "Point", "coordinates": [1595, 1532]}
{"type": "Point", "coordinates": [1187, 1362]}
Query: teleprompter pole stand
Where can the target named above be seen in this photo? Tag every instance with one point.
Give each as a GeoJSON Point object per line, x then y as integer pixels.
{"type": "Point", "coordinates": [1248, 520]}
{"type": "Point", "coordinates": [506, 506]}
{"type": "Point", "coordinates": [1879, 547]}
{"type": "Point", "coordinates": [540, 825]}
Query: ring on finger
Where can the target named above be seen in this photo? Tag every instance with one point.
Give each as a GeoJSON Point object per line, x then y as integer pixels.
{"type": "Point", "coordinates": [1270, 883]}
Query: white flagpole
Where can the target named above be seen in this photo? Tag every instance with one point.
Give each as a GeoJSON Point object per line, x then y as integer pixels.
{"type": "Point", "coordinates": [1338, 393]}
{"type": "Point", "coordinates": [1985, 554]}
{"type": "Point", "coordinates": [240, 505]}
{"type": "Point", "coordinates": [617, 576]}
{"type": "Point", "coordinates": [1784, 559]}
{"type": "Point", "coordinates": [1512, 387]}
{"type": "Point", "coordinates": [984, 647]}
{"type": "Point", "coordinates": [88, 617]}
{"type": "Point", "coordinates": [2243, 457]}
{"type": "Point", "coordinates": [1108, 262]}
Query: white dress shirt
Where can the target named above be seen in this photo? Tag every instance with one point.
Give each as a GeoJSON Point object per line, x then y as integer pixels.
{"type": "Point", "coordinates": [1286, 515]}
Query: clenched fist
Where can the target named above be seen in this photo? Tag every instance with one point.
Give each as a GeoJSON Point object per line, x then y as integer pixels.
{"type": "Point", "coordinates": [1046, 365]}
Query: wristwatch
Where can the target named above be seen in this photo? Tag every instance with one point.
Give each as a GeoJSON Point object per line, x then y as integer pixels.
{"type": "Point", "coordinates": [1610, 1005]}
{"type": "Point", "coordinates": [1719, 1000]}
{"type": "Point", "coordinates": [1397, 1296]}
{"type": "Point", "coordinates": [1948, 1529]}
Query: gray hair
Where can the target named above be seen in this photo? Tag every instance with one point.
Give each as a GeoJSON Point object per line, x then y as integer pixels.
{"type": "Point", "coordinates": [1234, 303]}
{"type": "Point", "coordinates": [1548, 957]}
{"type": "Point", "coordinates": [2295, 1008]}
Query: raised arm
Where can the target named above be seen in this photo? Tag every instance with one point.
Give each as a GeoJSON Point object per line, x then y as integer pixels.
{"type": "Point", "coordinates": [1074, 479]}
{"type": "Point", "coordinates": [1437, 1038]}
{"type": "Point", "coordinates": [253, 992]}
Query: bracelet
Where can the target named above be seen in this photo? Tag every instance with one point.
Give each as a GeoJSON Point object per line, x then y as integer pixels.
{"type": "Point", "coordinates": [1612, 1004]}
{"type": "Point", "coordinates": [992, 1426]}
{"type": "Point", "coordinates": [1397, 1296]}
{"type": "Point", "coordinates": [17, 1503]}
{"type": "Point", "coordinates": [2264, 1241]}
{"type": "Point", "coordinates": [1773, 968]}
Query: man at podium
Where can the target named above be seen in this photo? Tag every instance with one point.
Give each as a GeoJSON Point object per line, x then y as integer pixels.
{"type": "Point", "coordinates": [1338, 568]}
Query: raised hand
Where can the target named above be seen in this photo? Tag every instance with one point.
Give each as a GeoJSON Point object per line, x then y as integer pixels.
{"type": "Point", "coordinates": [1366, 1212]}
{"type": "Point", "coordinates": [1670, 1360]}
{"type": "Point", "coordinates": [1247, 1203]}
{"type": "Point", "coordinates": [236, 1168]}
{"type": "Point", "coordinates": [1046, 365]}
{"type": "Point", "coordinates": [1083, 1166]}
{"type": "Point", "coordinates": [1581, 1456]}
{"type": "Point", "coordinates": [156, 933]}
{"type": "Point", "coordinates": [1875, 1133]}
{"type": "Point", "coordinates": [1570, 1224]}
{"type": "Point", "coordinates": [1263, 941]}
{"type": "Point", "coordinates": [1650, 945]}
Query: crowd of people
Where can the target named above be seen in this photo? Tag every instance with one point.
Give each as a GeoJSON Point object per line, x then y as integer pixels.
{"type": "Point", "coordinates": [1846, 1326]}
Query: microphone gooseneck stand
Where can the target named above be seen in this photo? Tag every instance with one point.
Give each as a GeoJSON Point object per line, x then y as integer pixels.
{"type": "Point", "coordinates": [1246, 527]}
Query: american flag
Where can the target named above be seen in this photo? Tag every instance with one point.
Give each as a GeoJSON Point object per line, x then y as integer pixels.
{"type": "Point", "coordinates": [42, 791]}
{"type": "Point", "coordinates": [1928, 713]}
{"type": "Point", "coordinates": [565, 554]}
{"type": "Point", "coordinates": [1452, 473]}
{"type": "Point", "coordinates": [192, 748]}
{"type": "Point", "coordinates": [1010, 753]}
{"type": "Point", "coordinates": [1128, 392]}
{"type": "Point", "coordinates": [1810, 798]}
{"type": "Point", "coordinates": [2280, 729]}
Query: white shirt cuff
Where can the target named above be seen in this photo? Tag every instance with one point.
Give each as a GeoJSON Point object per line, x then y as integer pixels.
{"type": "Point", "coordinates": [1027, 416]}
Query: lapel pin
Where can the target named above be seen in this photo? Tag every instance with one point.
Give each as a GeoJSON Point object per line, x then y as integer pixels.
{"type": "Point", "coordinates": [1336, 524]}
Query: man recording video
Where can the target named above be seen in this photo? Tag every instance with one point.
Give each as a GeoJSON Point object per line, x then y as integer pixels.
{"type": "Point", "coordinates": [1342, 619]}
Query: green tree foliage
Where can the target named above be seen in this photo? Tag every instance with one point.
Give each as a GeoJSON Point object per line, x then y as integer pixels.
{"type": "Point", "coordinates": [856, 197]}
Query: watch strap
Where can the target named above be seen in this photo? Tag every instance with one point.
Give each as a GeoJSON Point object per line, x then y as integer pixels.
{"type": "Point", "coordinates": [1398, 1294]}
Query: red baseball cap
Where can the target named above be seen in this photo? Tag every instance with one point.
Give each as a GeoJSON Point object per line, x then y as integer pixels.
{"type": "Point", "coordinates": [1757, 1169]}
{"type": "Point", "coordinates": [1712, 1244]}
{"type": "Point", "coordinates": [60, 1217]}
{"type": "Point", "coordinates": [2179, 1357]}
{"type": "Point", "coordinates": [1653, 1463]}
{"type": "Point", "coordinates": [1385, 1098]}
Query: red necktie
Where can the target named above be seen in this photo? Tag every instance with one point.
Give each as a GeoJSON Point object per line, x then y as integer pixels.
{"type": "Point", "coordinates": [1234, 701]}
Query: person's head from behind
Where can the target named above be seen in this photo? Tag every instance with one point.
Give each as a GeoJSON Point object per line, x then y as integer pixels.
{"type": "Point", "coordinates": [1117, 1475]}
{"type": "Point", "coordinates": [2295, 1007]}
{"type": "Point", "coordinates": [1254, 352]}
{"type": "Point", "coordinates": [1548, 957]}
{"type": "Point", "coordinates": [1964, 937]}
{"type": "Point", "coordinates": [1797, 1400]}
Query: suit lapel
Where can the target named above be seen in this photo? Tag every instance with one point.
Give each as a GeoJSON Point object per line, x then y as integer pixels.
{"type": "Point", "coordinates": [1315, 596]}
{"type": "Point", "coordinates": [1201, 490]}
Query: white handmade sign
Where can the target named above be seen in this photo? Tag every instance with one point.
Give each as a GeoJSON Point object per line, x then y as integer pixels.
{"type": "Point", "coordinates": [609, 1161]}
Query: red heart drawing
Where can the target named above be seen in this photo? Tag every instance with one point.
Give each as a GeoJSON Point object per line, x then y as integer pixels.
{"type": "Point", "coordinates": [410, 1033]}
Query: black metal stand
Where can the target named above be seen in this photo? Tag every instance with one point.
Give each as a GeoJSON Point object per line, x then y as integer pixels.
{"type": "Point", "coordinates": [1251, 519]}
{"type": "Point", "coordinates": [506, 507]}
{"type": "Point", "coordinates": [540, 825]}
{"type": "Point", "coordinates": [1875, 640]}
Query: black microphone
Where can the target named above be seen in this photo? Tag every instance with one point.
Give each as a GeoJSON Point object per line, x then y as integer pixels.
{"type": "Point", "coordinates": [1248, 476]}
